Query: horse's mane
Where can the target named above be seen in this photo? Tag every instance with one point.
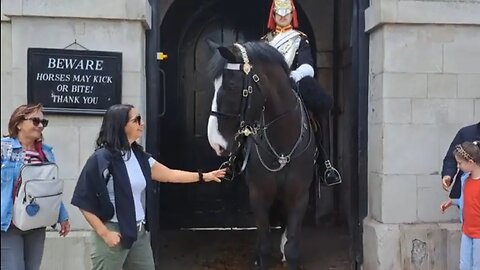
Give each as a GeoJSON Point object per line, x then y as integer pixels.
{"type": "Point", "coordinates": [258, 51]}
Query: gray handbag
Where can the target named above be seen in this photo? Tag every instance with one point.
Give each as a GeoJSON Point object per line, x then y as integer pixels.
{"type": "Point", "coordinates": [38, 196]}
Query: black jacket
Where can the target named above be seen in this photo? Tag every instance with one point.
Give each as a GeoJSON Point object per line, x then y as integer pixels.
{"type": "Point", "coordinates": [91, 192]}
{"type": "Point", "coordinates": [468, 133]}
{"type": "Point", "coordinates": [303, 54]}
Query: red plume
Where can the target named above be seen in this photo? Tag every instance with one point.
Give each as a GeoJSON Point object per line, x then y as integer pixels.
{"type": "Point", "coordinates": [271, 21]}
{"type": "Point", "coordinates": [294, 15]}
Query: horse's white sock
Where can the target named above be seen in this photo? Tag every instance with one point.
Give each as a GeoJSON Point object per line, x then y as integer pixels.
{"type": "Point", "coordinates": [283, 241]}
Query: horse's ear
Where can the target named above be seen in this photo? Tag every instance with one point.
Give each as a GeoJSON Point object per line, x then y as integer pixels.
{"type": "Point", "coordinates": [212, 44]}
{"type": "Point", "coordinates": [227, 54]}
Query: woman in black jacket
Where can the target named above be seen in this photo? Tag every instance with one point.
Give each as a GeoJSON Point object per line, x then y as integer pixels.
{"type": "Point", "coordinates": [449, 169]}
{"type": "Point", "coordinates": [113, 192]}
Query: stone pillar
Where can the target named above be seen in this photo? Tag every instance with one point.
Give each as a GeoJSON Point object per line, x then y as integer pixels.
{"type": "Point", "coordinates": [119, 26]}
{"type": "Point", "coordinates": [424, 85]}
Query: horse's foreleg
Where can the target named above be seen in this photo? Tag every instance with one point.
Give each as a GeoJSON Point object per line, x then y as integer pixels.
{"type": "Point", "coordinates": [260, 209]}
{"type": "Point", "coordinates": [296, 211]}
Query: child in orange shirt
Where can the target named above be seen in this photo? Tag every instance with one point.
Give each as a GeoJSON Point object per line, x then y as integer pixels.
{"type": "Point", "coordinates": [468, 160]}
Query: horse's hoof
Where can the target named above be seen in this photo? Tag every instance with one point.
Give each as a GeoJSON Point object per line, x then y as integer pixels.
{"type": "Point", "coordinates": [257, 264]}
{"type": "Point", "coordinates": [258, 267]}
{"type": "Point", "coordinates": [299, 267]}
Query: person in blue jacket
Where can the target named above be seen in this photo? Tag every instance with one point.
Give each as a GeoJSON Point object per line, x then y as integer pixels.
{"type": "Point", "coordinates": [114, 192]}
{"type": "Point", "coordinates": [24, 144]}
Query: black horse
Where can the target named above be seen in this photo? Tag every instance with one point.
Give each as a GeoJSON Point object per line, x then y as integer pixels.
{"type": "Point", "coordinates": [257, 115]}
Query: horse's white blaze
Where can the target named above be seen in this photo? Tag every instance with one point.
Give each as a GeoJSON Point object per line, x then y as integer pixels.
{"type": "Point", "coordinates": [215, 139]}
{"type": "Point", "coordinates": [283, 241]}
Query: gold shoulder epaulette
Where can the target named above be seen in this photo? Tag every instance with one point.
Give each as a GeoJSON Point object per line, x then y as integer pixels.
{"type": "Point", "coordinates": [267, 37]}
{"type": "Point", "coordinates": [305, 37]}
{"type": "Point", "coordinates": [302, 33]}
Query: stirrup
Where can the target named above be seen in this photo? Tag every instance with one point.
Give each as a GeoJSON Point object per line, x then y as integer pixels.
{"type": "Point", "coordinates": [330, 177]}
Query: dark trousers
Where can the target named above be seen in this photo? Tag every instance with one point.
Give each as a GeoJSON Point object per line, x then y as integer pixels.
{"type": "Point", "coordinates": [315, 97]}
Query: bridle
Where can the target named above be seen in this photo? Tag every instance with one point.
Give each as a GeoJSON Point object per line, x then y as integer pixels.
{"type": "Point", "coordinates": [247, 90]}
{"type": "Point", "coordinates": [251, 130]}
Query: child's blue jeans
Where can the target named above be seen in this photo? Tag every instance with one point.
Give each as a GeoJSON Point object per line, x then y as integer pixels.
{"type": "Point", "coordinates": [469, 253]}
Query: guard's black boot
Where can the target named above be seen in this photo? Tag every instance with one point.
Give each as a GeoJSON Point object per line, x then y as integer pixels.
{"type": "Point", "coordinates": [324, 171]}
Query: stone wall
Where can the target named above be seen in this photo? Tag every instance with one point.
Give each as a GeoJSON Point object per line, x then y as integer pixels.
{"type": "Point", "coordinates": [424, 85]}
{"type": "Point", "coordinates": [97, 25]}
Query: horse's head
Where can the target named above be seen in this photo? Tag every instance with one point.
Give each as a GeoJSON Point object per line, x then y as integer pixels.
{"type": "Point", "coordinates": [243, 79]}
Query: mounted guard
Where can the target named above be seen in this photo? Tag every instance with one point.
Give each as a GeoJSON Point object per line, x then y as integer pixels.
{"type": "Point", "coordinates": [295, 48]}
{"type": "Point", "coordinates": [257, 114]}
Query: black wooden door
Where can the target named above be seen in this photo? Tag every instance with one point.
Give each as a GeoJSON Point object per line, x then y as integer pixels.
{"type": "Point", "coordinates": [184, 128]}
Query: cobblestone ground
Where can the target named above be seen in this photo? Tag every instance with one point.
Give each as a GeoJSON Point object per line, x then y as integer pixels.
{"type": "Point", "coordinates": [323, 249]}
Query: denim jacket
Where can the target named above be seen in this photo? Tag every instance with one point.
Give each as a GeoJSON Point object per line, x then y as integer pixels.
{"type": "Point", "coordinates": [12, 161]}
{"type": "Point", "coordinates": [459, 202]}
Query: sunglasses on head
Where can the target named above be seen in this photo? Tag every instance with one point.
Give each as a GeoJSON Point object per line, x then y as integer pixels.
{"type": "Point", "coordinates": [36, 121]}
{"type": "Point", "coordinates": [137, 119]}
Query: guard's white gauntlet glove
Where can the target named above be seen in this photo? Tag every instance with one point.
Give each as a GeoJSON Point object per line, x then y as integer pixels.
{"type": "Point", "coordinates": [301, 72]}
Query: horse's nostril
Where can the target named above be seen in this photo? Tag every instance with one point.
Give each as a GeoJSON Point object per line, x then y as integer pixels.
{"type": "Point", "coordinates": [222, 151]}
{"type": "Point", "coordinates": [219, 149]}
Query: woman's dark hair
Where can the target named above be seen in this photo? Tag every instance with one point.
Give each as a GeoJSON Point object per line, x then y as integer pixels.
{"type": "Point", "coordinates": [112, 133]}
{"type": "Point", "coordinates": [19, 115]}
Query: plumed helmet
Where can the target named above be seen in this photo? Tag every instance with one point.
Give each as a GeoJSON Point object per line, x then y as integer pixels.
{"type": "Point", "coordinates": [282, 8]}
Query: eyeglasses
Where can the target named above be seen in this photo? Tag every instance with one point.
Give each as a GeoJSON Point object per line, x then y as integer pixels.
{"type": "Point", "coordinates": [137, 119]}
{"type": "Point", "coordinates": [36, 121]}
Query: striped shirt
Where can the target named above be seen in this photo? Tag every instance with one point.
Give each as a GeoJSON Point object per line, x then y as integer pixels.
{"type": "Point", "coordinates": [32, 157]}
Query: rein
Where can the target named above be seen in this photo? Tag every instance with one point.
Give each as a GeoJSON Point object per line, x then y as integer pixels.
{"type": "Point", "coordinates": [282, 159]}
{"type": "Point", "coordinates": [252, 131]}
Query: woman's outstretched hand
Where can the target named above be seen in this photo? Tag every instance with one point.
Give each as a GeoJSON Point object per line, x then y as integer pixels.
{"type": "Point", "coordinates": [214, 175]}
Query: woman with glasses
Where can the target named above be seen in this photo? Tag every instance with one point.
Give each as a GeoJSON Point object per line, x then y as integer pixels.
{"type": "Point", "coordinates": [114, 192]}
{"type": "Point", "coordinates": [23, 144]}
